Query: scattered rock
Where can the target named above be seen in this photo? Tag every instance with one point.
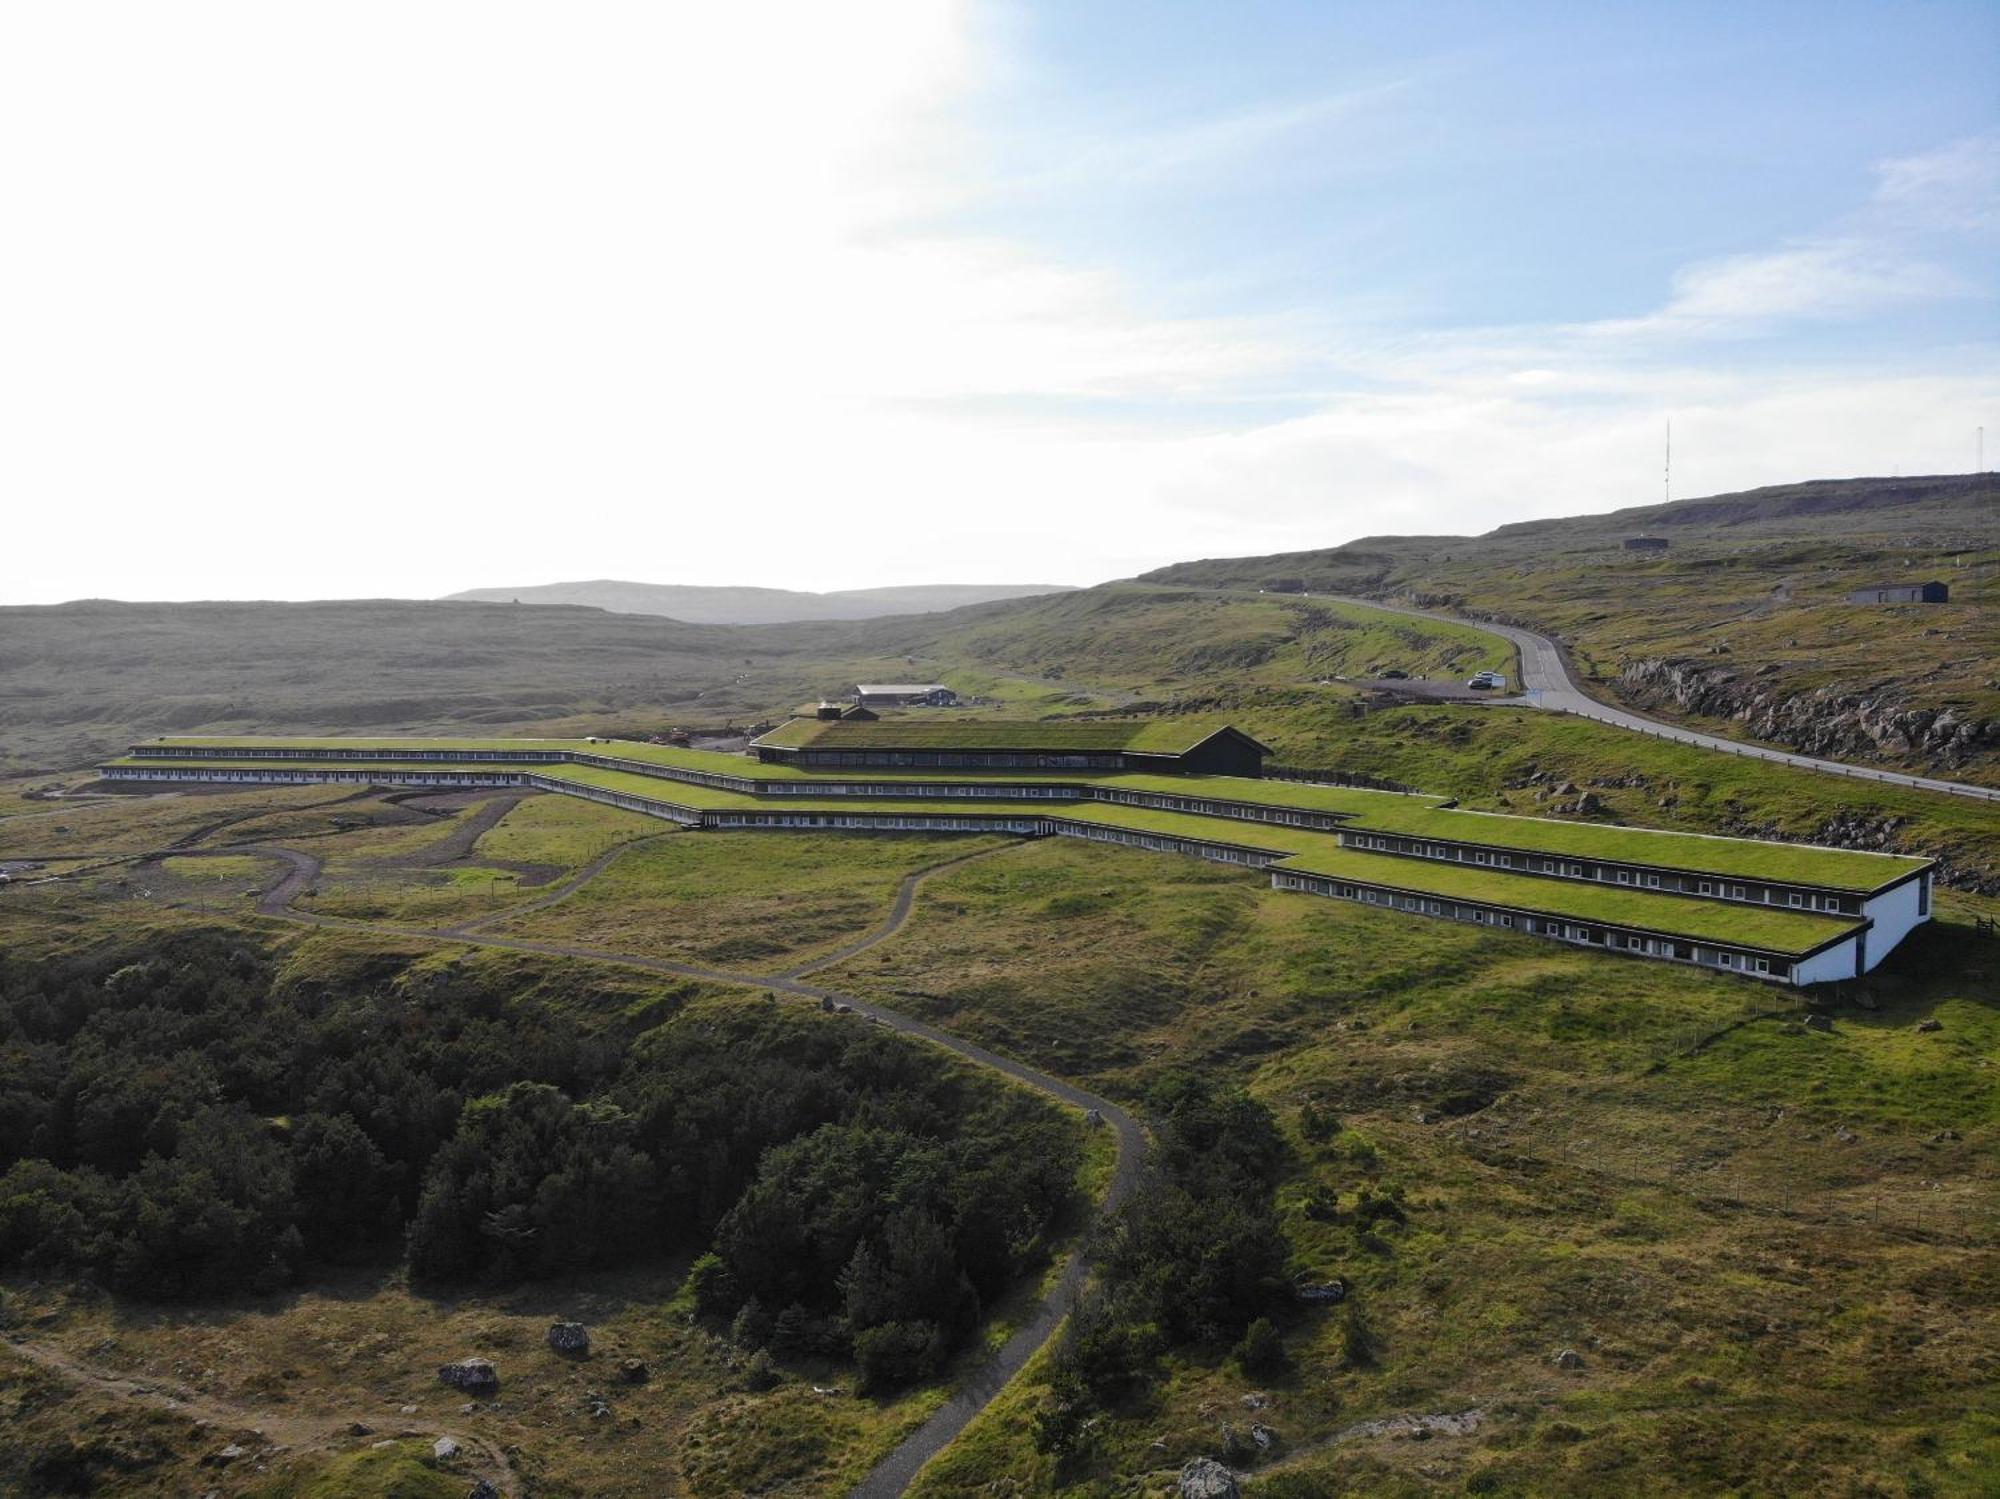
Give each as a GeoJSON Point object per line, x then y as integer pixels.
{"type": "Point", "coordinates": [1320, 1293]}
{"type": "Point", "coordinates": [1256, 1402]}
{"type": "Point", "coordinates": [634, 1371]}
{"type": "Point", "coordinates": [228, 1455]}
{"type": "Point", "coordinates": [1930, 1023]}
{"type": "Point", "coordinates": [826, 1389]}
{"type": "Point", "coordinates": [483, 1490]}
{"type": "Point", "coordinates": [1590, 802]}
{"type": "Point", "coordinates": [1568, 1358]}
{"type": "Point", "coordinates": [475, 1376]}
{"type": "Point", "coordinates": [1945, 1135]}
{"type": "Point", "coordinates": [1093, 1117]}
{"type": "Point", "coordinates": [1845, 1135]}
{"type": "Point", "coordinates": [360, 1429]}
{"type": "Point", "coordinates": [406, 1410]}
{"type": "Point", "coordinates": [1264, 1437]}
{"type": "Point", "coordinates": [1205, 1478]}
{"type": "Point", "coordinates": [571, 1338]}
{"type": "Point", "coordinates": [444, 1449]}
{"type": "Point", "coordinates": [1819, 1022]}
{"type": "Point", "coordinates": [826, 1003]}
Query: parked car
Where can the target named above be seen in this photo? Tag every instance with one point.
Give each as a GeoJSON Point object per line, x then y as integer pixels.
{"type": "Point", "coordinates": [1485, 681]}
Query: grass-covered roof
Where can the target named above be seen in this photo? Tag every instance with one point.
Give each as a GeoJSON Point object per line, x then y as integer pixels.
{"type": "Point", "coordinates": [1154, 736]}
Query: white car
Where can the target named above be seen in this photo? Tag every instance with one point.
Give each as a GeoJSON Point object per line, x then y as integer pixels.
{"type": "Point", "coordinates": [1484, 680]}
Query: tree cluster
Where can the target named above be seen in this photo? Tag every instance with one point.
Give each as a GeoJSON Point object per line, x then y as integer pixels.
{"type": "Point", "coordinates": [1195, 1257]}
{"type": "Point", "coordinates": [182, 1124]}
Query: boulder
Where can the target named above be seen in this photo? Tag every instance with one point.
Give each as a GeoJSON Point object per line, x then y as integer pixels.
{"type": "Point", "coordinates": [1930, 1023]}
{"type": "Point", "coordinates": [483, 1490]}
{"type": "Point", "coordinates": [1567, 1358]}
{"type": "Point", "coordinates": [444, 1449]}
{"type": "Point", "coordinates": [1205, 1478]}
{"type": "Point", "coordinates": [634, 1371]}
{"type": "Point", "coordinates": [476, 1376]}
{"type": "Point", "coordinates": [572, 1338]}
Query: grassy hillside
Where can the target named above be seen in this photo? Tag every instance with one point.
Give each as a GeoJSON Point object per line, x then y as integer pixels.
{"type": "Point", "coordinates": [1752, 593]}
{"type": "Point", "coordinates": [78, 681]}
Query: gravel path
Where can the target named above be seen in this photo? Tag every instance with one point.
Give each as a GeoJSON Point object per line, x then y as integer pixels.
{"type": "Point", "coordinates": [1546, 677]}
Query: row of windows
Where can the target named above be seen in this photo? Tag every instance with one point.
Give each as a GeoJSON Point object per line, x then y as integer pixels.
{"type": "Point", "coordinates": [1607, 874]}
{"type": "Point", "coordinates": [1567, 931]}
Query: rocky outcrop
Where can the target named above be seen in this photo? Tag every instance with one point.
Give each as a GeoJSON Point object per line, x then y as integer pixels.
{"type": "Point", "coordinates": [475, 1376]}
{"type": "Point", "coordinates": [571, 1338]}
{"type": "Point", "coordinates": [1826, 723]}
{"type": "Point", "coordinates": [1205, 1478]}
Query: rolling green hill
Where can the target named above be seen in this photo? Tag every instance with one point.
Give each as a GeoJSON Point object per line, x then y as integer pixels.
{"type": "Point", "coordinates": [757, 606]}
{"type": "Point", "coordinates": [1743, 624]}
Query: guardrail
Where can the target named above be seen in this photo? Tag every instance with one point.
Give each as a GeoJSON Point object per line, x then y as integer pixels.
{"type": "Point", "coordinates": [1716, 744]}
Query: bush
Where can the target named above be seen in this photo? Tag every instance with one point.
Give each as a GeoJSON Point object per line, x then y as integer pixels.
{"type": "Point", "coordinates": [1262, 1354]}
{"type": "Point", "coordinates": [897, 1353]}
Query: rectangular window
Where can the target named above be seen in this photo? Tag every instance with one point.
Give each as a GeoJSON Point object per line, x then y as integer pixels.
{"type": "Point", "coordinates": [1924, 895]}
{"type": "Point", "coordinates": [1798, 899]}
{"type": "Point", "coordinates": [1624, 876]}
{"type": "Point", "coordinates": [1737, 891]}
{"type": "Point", "coordinates": [1653, 881]}
{"type": "Point", "coordinates": [1707, 888]}
{"type": "Point", "coordinates": [1763, 965]}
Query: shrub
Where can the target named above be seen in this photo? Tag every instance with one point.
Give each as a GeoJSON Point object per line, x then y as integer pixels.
{"type": "Point", "coordinates": [1261, 1354]}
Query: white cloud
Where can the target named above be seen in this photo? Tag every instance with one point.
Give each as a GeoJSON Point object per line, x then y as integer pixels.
{"type": "Point", "coordinates": [391, 299]}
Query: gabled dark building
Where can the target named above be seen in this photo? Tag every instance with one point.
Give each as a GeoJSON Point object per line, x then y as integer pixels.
{"type": "Point", "coordinates": [1902, 593]}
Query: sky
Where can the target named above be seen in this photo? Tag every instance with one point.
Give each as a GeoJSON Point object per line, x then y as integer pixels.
{"type": "Point", "coordinates": [370, 299]}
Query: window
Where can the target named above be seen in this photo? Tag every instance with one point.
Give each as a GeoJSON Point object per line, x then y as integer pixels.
{"type": "Point", "coordinates": [1736, 891]}
{"type": "Point", "coordinates": [1624, 876]}
{"type": "Point", "coordinates": [1653, 881]}
{"type": "Point", "coordinates": [1798, 899]}
{"type": "Point", "coordinates": [1506, 921]}
{"type": "Point", "coordinates": [1707, 888]}
{"type": "Point", "coordinates": [1763, 965]}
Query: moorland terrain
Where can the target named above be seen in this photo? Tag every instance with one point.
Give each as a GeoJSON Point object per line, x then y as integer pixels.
{"type": "Point", "coordinates": [757, 606]}
{"type": "Point", "coordinates": [309, 1091]}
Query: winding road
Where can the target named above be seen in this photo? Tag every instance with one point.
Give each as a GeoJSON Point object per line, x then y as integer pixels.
{"type": "Point", "coordinates": [1546, 679]}
{"type": "Point", "coordinates": [893, 1474]}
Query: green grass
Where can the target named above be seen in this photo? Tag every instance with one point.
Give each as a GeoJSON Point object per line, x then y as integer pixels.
{"type": "Point", "coordinates": [747, 901]}
{"type": "Point", "coordinates": [1776, 931]}
{"type": "Point", "coordinates": [1137, 735]}
{"type": "Point", "coordinates": [1382, 811]}
{"type": "Point", "coordinates": [1593, 1155]}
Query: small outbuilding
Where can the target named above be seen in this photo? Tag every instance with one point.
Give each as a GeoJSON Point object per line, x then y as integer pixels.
{"type": "Point", "coordinates": [905, 695]}
{"type": "Point", "coordinates": [1932, 592]}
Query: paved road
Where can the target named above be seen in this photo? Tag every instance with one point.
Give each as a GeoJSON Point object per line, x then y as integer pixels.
{"type": "Point", "coordinates": [893, 1474]}
{"type": "Point", "coordinates": [1546, 679]}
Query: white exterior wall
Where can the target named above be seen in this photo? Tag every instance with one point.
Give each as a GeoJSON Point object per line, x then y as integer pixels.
{"type": "Point", "coordinates": [1828, 967]}
{"type": "Point", "coordinates": [1896, 916]}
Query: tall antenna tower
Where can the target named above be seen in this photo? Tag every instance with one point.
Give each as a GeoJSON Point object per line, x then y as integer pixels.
{"type": "Point", "coordinates": [1667, 479]}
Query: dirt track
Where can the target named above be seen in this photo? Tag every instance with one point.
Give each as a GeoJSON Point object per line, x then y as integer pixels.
{"type": "Point", "coordinates": [320, 1433]}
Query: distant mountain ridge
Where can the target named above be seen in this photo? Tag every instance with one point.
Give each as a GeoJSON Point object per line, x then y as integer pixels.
{"type": "Point", "coordinates": [758, 606]}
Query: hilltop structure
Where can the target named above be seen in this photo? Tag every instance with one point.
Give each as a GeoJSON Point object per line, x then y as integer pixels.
{"type": "Point", "coordinates": [1783, 913]}
{"type": "Point", "coordinates": [1932, 592]}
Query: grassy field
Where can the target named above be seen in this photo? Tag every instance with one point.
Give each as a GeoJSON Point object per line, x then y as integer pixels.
{"type": "Point", "coordinates": [1756, 584]}
{"type": "Point", "coordinates": [361, 1347]}
{"type": "Point", "coordinates": [743, 900]}
{"type": "Point", "coordinates": [1775, 1278]}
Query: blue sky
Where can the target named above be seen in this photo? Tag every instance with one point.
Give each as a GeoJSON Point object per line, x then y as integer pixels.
{"type": "Point", "coordinates": [955, 290]}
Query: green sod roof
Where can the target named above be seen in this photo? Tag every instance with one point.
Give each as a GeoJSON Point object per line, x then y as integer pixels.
{"type": "Point", "coordinates": [1790, 933]}
{"type": "Point", "coordinates": [1172, 736]}
{"type": "Point", "coordinates": [1371, 811]}
{"type": "Point", "coordinates": [1696, 853]}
